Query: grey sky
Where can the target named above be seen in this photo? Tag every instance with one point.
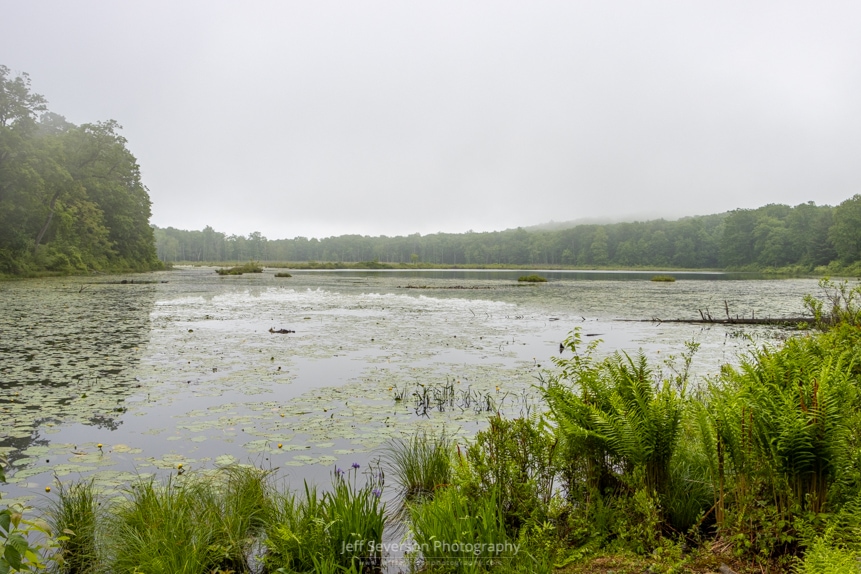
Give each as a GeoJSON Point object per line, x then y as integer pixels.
{"type": "Point", "coordinates": [322, 118]}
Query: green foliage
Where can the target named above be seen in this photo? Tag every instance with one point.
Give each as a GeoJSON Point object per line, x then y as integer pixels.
{"type": "Point", "coordinates": [457, 533]}
{"type": "Point", "coordinates": [163, 529]}
{"type": "Point", "coordinates": [419, 465]}
{"type": "Point", "coordinates": [17, 551]}
{"type": "Point", "coordinates": [617, 415]}
{"type": "Point", "coordinates": [283, 274]}
{"type": "Point", "coordinates": [339, 531]}
{"type": "Point", "coordinates": [663, 278]}
{"type": "Point", "coordinates": [75, 512]}
{"type": "Point", "coordinates": [825, 558]}
{"type": "Point", "coordinates": [196, 523]}
{"type": "Point", "coordinates": [532, 279]}
{"type": "Point", "coordinates": [782, 435]}
{"type": "Point", "coordinates": [512, 461]}
{"type": "Point", "coordinates": [840, 304]}
{"type": "Point", "coordinates": [250, 267]}
{"type": "Point", "coordinates": [297, 534]}
{"type": "Point", "coordinates": [778, 237]}
{"type": "Point", "coordinates": [71, 197]}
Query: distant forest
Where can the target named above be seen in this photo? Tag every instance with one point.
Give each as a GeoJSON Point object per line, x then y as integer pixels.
{"type": "Point", "coordinates": [71, 197]}
{"type": "Point", "coordinates": [806, 236]}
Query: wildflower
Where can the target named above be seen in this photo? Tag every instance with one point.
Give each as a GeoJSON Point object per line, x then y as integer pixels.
{"type": "Point", "coordinates": [356, 465]}
{"type": "Point", "coordinates": [279, 445]}
{"type": "Point", "coordinates": [377, 492]}
{"type": "Point", "coordinates": [47, 489]}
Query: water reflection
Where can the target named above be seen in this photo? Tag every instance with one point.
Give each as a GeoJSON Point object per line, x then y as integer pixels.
{"type": "Point", "coordinates": [68, 350]}
{"type": "Point", "coordinates": [205, 381]}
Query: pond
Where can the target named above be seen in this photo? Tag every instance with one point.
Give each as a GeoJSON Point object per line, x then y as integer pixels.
{"type": "Point", "coordinates": [180, 367]}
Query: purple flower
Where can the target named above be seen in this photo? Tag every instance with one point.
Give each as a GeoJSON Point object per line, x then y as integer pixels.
{"type": "Point", "coordinates": [338, 471]}
{"type": "Point", "coordinates": [377, 492]}
{"type": "Point", "coordinates": [356, 465]}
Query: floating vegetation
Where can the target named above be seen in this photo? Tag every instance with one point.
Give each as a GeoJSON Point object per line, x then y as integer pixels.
{"type": "Point", "coordinates": [663, 278]}
{"type": "Point", "coordinates": [250, 267]}
{"type": "Point", "coordinates": [283, 274]}
{"type": "Point", "coordinates": [455, 287]}
{"type": "Point", "coordinates": [188, 372]}
{"type": "Point", "coordinates": [532, 279]}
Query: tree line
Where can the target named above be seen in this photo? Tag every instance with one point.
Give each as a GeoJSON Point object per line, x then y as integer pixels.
{"type": "Point", "coordinates": [772, 236]}
{"type": "Point", "coordinates": [71, 197]}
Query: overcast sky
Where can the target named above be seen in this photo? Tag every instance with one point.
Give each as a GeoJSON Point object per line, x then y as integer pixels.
{"type": "Point", "coordinates": [322, 118]}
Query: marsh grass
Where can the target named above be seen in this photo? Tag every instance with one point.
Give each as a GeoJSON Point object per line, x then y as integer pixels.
{"type": "Point", "coordinates": [74, 515]}
{"type": "Point", "coordinates": [663, 279]}
{"type": "Point", "coordinates": [460, 534]}
{"type": "Point", "coordinates": [337, 531]}
{"type": "Point", "coordinates": [419, 465]}
{"type": "Point", "coordinates": [250, 267]}
{"type": "Point", "coordinates": [164, 528]}
{"type": "Point", "coordinates": [356, 519]}
{"type": "Point", "coordinates": [193, 523]}
{"type": "Point", "coordinates": [532, 279]}
{"type": "Point", "coordinates": [241, 500]}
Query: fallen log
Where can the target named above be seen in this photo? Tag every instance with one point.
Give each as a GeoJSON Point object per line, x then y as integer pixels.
{"type": "Point", "coordinates": [708, 320]}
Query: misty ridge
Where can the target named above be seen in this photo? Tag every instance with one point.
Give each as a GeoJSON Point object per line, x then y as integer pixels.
{"type": "Point", "coordinates": [72, 200]}
{"type": "Point", "coordinates": [804, 238]}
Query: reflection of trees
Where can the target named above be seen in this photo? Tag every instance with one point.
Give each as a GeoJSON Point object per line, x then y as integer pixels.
{"type": "Point", "coordinates": [20, 444]}
{"type": "Point", "coordinates": [68, 351]}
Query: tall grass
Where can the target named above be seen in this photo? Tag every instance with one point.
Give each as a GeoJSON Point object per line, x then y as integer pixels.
{"type": "Point", "coordinates": [456, 534]}
{"type": "Point", "coordinates": [193, 523]}
{"type": "Point", "coordinates": [340, 530]}
{"type": "Point", "coordinates": [75, 515]}
{"type": "Point", "coordinates": [164, 529]}
{"type": "Point", "coordinates": [419, 465]}
{"type": "Point", "coordinates": [513, 462]}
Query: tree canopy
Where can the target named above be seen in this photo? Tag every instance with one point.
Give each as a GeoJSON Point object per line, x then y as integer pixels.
{"type": "Point", "coordinates": [772, 236]}
{"type": "Point", "coordinates": [71, 197]}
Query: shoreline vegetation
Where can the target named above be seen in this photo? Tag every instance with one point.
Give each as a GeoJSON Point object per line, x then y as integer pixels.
{"type": "Point", "coordinates": [629, 469]}
{"type": "Point", "coordinates": [773, 239]}
{"type": "Point", "coordinates": [836, 270]}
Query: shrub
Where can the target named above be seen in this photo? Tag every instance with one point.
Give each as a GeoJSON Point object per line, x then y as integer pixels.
{"type": "Point", "coordinates": [531, 279]}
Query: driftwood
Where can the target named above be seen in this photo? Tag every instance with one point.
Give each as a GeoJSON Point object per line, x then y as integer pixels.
{"type": "Point", "coordinates": [707, 318]}
{"type": "Point", "coordinates": [281, 331]}
{"type": "Point", "coordinates": [780, 321]}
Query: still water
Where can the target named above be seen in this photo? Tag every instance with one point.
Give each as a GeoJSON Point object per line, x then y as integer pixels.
{"type": "Point", "coordinates": [180, 367]}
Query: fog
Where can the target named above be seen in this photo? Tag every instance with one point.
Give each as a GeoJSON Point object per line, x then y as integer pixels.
{"type": "Point", "coordinates": [326, 118]}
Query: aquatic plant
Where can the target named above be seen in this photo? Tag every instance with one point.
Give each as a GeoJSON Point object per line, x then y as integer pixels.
{"type": "Point", "coordinates": [164, 528]}
{"type": "Point", "coordinates": [532, 279]}
{"type": "Point", "coordinates": [340, 530]}
{"type": "Point", "coordinates": [250, 267]}
{"type": "Point", "coordinates": [76, 512]}
{"type": "Point", "coordinates": [663, 278]}
{"type": "Point", "coordinates": [458, 534]}
{"type": "Point", "coordinates": [419, 465]}
{"type": "Point", "coordinates": [512, 460]}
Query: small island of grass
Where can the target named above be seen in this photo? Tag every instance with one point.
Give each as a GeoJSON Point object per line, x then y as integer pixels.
{"type": "Point", "coordinates": [250, 267]}
{"type": "Point", "coordinates": [283, 275]}
{"type": "Point", "coordinates": [664, 278]}
{"type": "Point", "coordinates": [532, 279]}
